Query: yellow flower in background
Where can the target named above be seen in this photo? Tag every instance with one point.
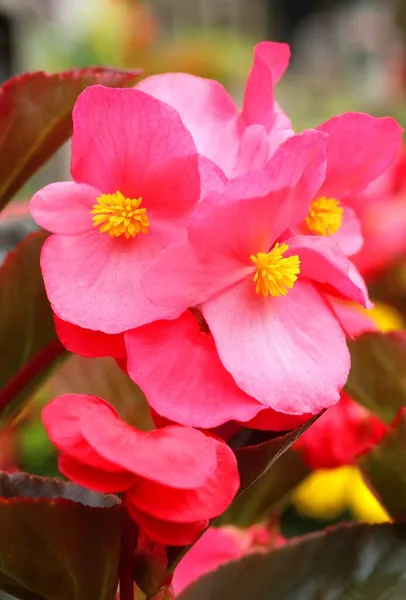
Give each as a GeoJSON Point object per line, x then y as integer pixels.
{"type": "Point", "coordinates": [327, 493]}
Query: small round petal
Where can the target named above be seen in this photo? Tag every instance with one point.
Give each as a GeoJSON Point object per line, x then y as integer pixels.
{"type": "Point", "coordinates": [359, 149]}
{"type": "Point", "coordinates": [349, 237]}
{"type": "Point", "coordinates": [189, 386]}
{"type": "Point", "coordinates": [206, 109]}
{"type": "Point", "coordinates": [186, 506]}
{"type": "Point", "coordinates": [93, 280]}
{"type": "Point", "coordinates": [271, 60]}
{"type": "Point", "coordinates": [62, 421]}
{"type": "Point", "coordinates": [322, 262]}
{"type": "Point", "coordinates": [87, 343]}
{"type": "Point", "coordinates": [64, 207]}
{"type": "Point", "coordinates": [129, 141]}
{"type": "Point", "coordinates": [288, 352]}
{"type": "Point", "coordinates": [94, 479]}
{"type": "Point", "coordinates": [180, 457]}
{"type": "Point", "coordinates": [166, 532]}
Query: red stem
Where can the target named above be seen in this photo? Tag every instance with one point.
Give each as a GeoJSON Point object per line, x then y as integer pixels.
{"type": "Point", "coordinates": [38, 363]}
{"type": "Point", "coordinates": [128, 536]}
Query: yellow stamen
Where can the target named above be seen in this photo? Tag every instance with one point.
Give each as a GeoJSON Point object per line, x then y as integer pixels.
{"type": "Point", "coordinates": [325, 216]}
{"type": "Point", "coordinates": [116, 215]}
{"type": "Point", "coordinates": [274, 274]}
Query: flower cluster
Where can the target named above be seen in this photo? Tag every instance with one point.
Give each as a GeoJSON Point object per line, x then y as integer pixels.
{"type": "Point", "coordinates": [205, 249]}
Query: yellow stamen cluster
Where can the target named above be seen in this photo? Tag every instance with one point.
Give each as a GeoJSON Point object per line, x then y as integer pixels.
{"type": "Point", "coordinates": [116, 215]}
{"type": "Point", "coordinates": [274, 274]}
{"type": "Point", "coordinates": [325, 216]}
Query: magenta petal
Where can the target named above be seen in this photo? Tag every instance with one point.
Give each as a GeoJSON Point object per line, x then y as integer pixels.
{"type": "Point", "coordinates": [64, 207]}
{"type": "Point", "coordinates": [206, 109]}
{"type": "Point", "coordinates": [95, 479]}
{"type": "Point", "coordinates": [126, 140]}
{"type": "Point", "coordinates": [186, 506]}
{"type": "Point", "coordinates": [287, 352]}
{"type": "Point", "coordinates": [271, 60]}
{"type": "Point", "coordinates": [322, 261]}
{"type": "Point", "coordinates": [87, 343]}
{"type": "Point", "coordinates": [189, 386]}
{"type": "Point", "coordinates": [359, 149]}
{"type": "Point", "coordinates": [94, 280]}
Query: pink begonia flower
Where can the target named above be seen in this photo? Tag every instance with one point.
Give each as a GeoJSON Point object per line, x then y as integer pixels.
{"type": "Point", "coordinates": [88, 343]}
{"type": "Point", "coordinates": [236, 142]}
{"type": "Point", "coordinates": [173, 479]}
{"type": "Point", "coordinates": [136, 179]}
{"type": "Point", "coordinates": [260, 290]}
{"type": "Point", "coordinates": [359, 149]}
{"type": "Point", "coordinates": [381, 209]}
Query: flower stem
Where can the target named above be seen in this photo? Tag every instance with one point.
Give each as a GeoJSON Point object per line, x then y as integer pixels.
{"type": "Point", "coordinates": [126, 574]}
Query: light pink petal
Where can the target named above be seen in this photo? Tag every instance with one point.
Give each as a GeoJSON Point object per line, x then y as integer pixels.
{"type": "Point", "coordinates": [95, 479]}
{"type": "Point", "coordinates": [186, 506]}
{"type": "Point", "coordinates": [129, 141]}
{"type": "Point", "coordinates": [189, 386]}
{"type": "Point", "coordinates": [206, 109]}
{"type": "Point", "coordinates": [166, 532]}
{"type": "Point", "coordinates": [212, 178]}
{"type": "Point", "coordinates": [359, 149]}
{"type": "Point", "coordinates": [216, 547]}
{"type": "Point", "coordinates": [288, 352]}
{"type": "Point", "coordinates": [87, 343]}
{"type": "Point", "coordinates": [353, 320]}
{"type": "Point", "coordinates": [271, 60]}
{"type": "Point", "coordinates": [64, 207]}
{"type": "Point", "coordinates": [323, 262]}
{"type": "Point", "coordinates": [349, 237]}
{"type": "Point", "coordinates": [181, 457]}
{"type": "Point", "coordinates": [94, 280]}
{"type": "Point", "coordinates": [253, 151]}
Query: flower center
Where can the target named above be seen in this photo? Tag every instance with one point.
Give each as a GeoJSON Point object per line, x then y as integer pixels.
{"type": "Point", "coordinates": [325, 216]}
{"type": "Point", "coordinates": [116, 215]}
{"type": "Point", "coordinates": [274, 274]}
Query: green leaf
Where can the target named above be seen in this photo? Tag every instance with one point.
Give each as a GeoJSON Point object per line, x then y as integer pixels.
{"type": "Point", "coordinates": [57, 540]}
{"type": "Point", "coordinates": [35, 119]}
{"type": "Point", "coordinates": [384, 467]}
{"type": "Point", "coordinates": [378, 372]}
{"type": "Point", "coordinates": [350, 562]}
{"type": "Point", "coordinates": [28, 343]}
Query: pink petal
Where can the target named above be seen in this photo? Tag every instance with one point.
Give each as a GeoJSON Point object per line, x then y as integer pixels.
{"type": "Point", "coordinates": [61, 418]}
{"type": "Point", "coordinates": [207, 111]}
{"type": "Point", "coordinates": [93, 280]}
{"type": "Point", "coordinates": [186, 506]}
{"type": "Point", "coordinates": [322, 262]}
{"type": "Point", "coordinates": [215, 548]}
{"type": "Point", "coordinates": [189, 386]}
{"type": "Point", "coordinates": [288, 352]}
{"type": "Point", "coordinates": [126, 140]}
{"type": "Point", "coordinates": [253, 151]}
{"type": "Point", "coordinates": [181, 457]}
{"type": "Point", "coordinates": [352, 318]}
{"type": "Point", "coordinates": [165, 532]}
{"type": "Point", "coordinates": [349, 237]}
{"type": "Point", "coordinates": [270, 420]}
{"type": "Point", "coordinates": [270, 62]}
{"type": "Point", "coordinates": [359, 149]}
{"type": "Point", "coordinates": [95, 479]}
{"type": "Point", "coordinates": [87, 343]}
{"type": "Point", "coordinates": [64, 207]}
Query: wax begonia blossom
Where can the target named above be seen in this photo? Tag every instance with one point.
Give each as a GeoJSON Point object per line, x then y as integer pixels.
{"type": "Point", "coordinates": [359, 149]}
{"type": "Point", "coordinates": [173, 479]}
{"type": "Point", "coordinates": [235, 141]}
{"type": "Point", "coordinates": [136, 178]}
{"type": "Point", "coordinates": [88, 343]}
{"type": "Point", "coordinates": [261, 288]}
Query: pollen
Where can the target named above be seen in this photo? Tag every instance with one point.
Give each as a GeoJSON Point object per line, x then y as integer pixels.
{"type": "Point", "coordinates": [275, 275]}
{"type": "Point", "coordinates": [116, 215]}
{"type": "Point", "coordinates": [325, 216]}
